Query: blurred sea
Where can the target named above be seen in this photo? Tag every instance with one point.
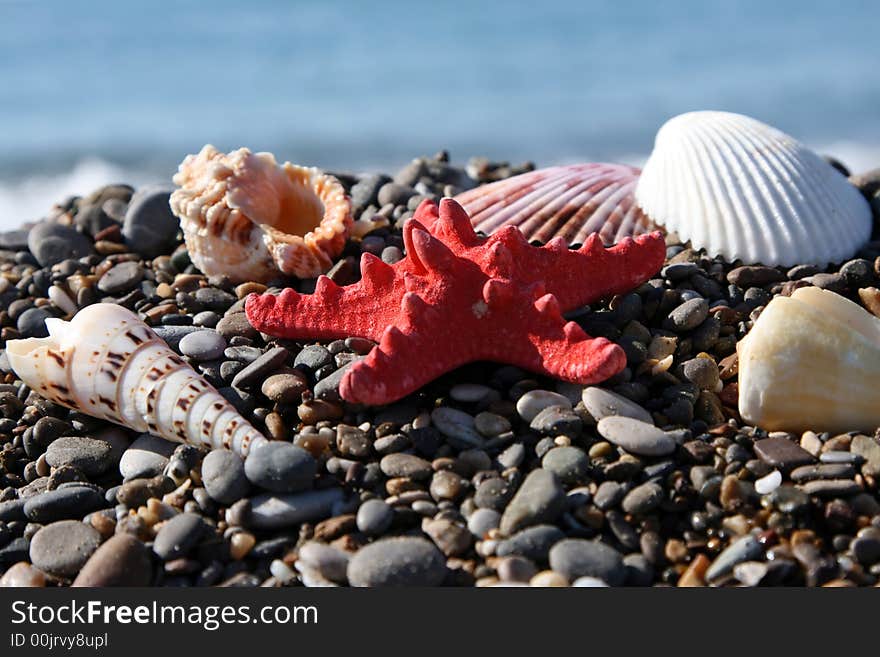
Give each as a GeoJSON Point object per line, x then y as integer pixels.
{"type": "Point", "coordinates": [97, 92]}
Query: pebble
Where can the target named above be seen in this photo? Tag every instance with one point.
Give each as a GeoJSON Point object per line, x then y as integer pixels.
{"type": "Point", "coordinates": [491, 424]}
{"type": "Point", "coordinates": [147, 456]}
{"type": "Point", "coordinates": [32, 323]}
{"type": "Point", "coordinates": [262, 367]}
{"type": "Point", "coordinates": [202, 345]}
{"type": "Point", "coordinates": [400, 561]}
{"type": "Point", "coordinates": [280, 467]}
{"type": "Point", "coordinates": [172, 335]}
{"type": "Point", "coordinates": [782, 453]}
{"type": "Point", "coordinates": [869, 449]}
{"type": "Point", "coordinates": [601, 403]}
{"type": "Point", "coordinates": [178, 536]}
{"type": "Point", "coordinates": [90, 456]}
{"type": "Point", "coordinates": [482, 521]}
{"type": "Point", "coordinates": [750, 573]}
{"type": "Point", "coordinates": [457, 426]}
{"type": "Point", "coordinates": [121, 278]}
{"type": "Point", "coordinates": [313, 358]}
{"type": "Point", "coordinates": [533, 402]}
{"type": "Point", "coordinates": [822, 471]}
{"type": "Point", "coordinates": [62, 548]}
{"type": "Point", "coordinates": [276, 511]}
{"type": "Point", "coordinates": [745, 548]}
{"type": "Point", "coordinates": [703, 373]}
{"type": "Point", "coordinates": [754, 276]}
{"type": "Point", "coordinates": [548, 579]}
{"type": "Point", "coordinates": [831, 487]}
{"type": "Point", "coordinates": [469, 393]}
{"type": "Point", "coordinates": [223, 476]}
{"type": "Point", "coordinates": [451, 538]}
{"type": "Point", "coordinates": [688, 315]}
{"type": "Point", "coordinates": [237, 325]}
{"type": "Point", "coordinates": [577, 557]}
{"type": "Point", "coordinates": [149, 227]}
{"type": "Point", "coordinates": [21, 575]}
{"type": "Point", "coordinates": [406, 465]}
{"type": "Point", "coordinates": [62, 503]}
{"type": "Point", "coordinates": [643, 498]}
{"type": "Point", "coordinates": [569, 464]}
{"type": "Point", "coordinates": [589, 582]}
{"type": "Point", "coordinates": [540, 499]}
{"type": "Point", "coordinates": [329, 561]}
{"type": "Point", "coordinates": [374, 517]}
{"type": "Point", "coordinates": [122, 560]}
{"type": "Point", "coordinates": [635, 436]}
{"type": "Point", "coordinates": [515, 569]}
{"type": "Point", "coordinates": [285, 388]}
{"type": "Point", "coordinates": [557, 421]}
{"type": "Point", "coordinates": [768, 483]}
{"type": "Point", "coordinates": [50, 243]}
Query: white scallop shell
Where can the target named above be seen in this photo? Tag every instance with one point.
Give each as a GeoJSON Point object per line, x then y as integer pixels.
{"type": "Point", "coordinates": [811, 361]}
{"type": "Point", "coordinates": [107, 363]}
{"type": "Point", "coordinates": [744, 190]}
{"type": "Point", "coordinates": [566, 201]}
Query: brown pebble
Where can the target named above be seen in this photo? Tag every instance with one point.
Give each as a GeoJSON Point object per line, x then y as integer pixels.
{"type": "Point", "coordinates": [695, 573]}
{"type": "Point", "coordinates": [122, 560]}
{"type": "Point", "coordinates": [333, 528]}
{"type": "Point", "coordinates": [240, 544]}
{"type": "Point", "coordinates": [870, 297]}
{"type": "Point", "coordinates": [316, 410]}
{"type": "Point", "coordinates": [23, 575]}
{"type": "Point", "coordinates": [249, 288]}
{"type": "Point", "coordinates": [275, 426]}
{"type": "Point", "coordinates": [549, 578]}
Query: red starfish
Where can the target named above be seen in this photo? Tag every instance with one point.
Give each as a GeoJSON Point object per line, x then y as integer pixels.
{"type": "Point", "coordinates": [468, 299]}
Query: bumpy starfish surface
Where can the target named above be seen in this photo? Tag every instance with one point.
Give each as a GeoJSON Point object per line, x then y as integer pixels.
{"type": "Point", "coordinates": [457, 298]}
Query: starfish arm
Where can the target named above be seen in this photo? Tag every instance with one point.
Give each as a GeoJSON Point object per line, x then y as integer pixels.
{"type": "Point", "coordinates": [332, 312]}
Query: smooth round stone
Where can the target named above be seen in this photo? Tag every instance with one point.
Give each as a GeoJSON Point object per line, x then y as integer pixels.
{"type": "Point", "coordinates": [179, 535]}
{"type": "Point", "coordinates": [147, 456]}
{"type": "Point", "coordinates": [745, 548]}
{"type": "Point", "coordinates": [535, 401]}
{"type": "Point", "coordinates": [643, 498]}
{"type": "Point", "coordinates": [224, 477]}
{"type": "Point", "coordinates": [688, 315]}
{"type": "Point", "coordinates": [23, 575]}
{"type": "Point", "coordinates": [456, 425]}
{"type": "Point", "coordinates": [702, 372]}
{"type": "Point", "coordinates": [280, 510]}
{"type": "Point", "coordinates": [601, 403]}
{"type": "Point", "coordinates": [768, 483]}
{"type": "Point", "coordinates": [313, 357]}
{"type": "Point", "coordinates": [280, 467]}
{"type": "Point", "coordinates": [635, 436]}
{"type": "Point", "coordinates": [62, 503]}
{"type": "Point", "coordinates": [149, 227]}
{"type": "Point", "coordinates": [578, 557]}
{"type": "Point", "coordinates": [405, 465]}
{"type": "Point", "coordinates": [50, 243]}
{"type": "Point", "coordinates": [285, 388]}
{"type": "Point", "coordinates": [237, 324]}
{"type": "Point", "coordinates": [329, 561]}
{"type": "Point", "coordinates": [540, 499]}
{"type": "Point", "coordinates": [570, 464]}
{"type": "Point", "coordinates": [469, 392]}
{"type": "Point", "coordinates": [481, 521]}
{"type": "Point", "coordinates": [491, 424]}
{"type": "Point", "coordinates": [402, 561]}
{"type": "Point", "coordinates": [515, 569]}
{"type": "Point", "coordinates": [62, 548]}
{"type": "Point", "coordinates": [92, 457]}
{"type": "Point", "coordinates": [121, 278]}
{"type": "Point", "coordinates": [557, 421]}
{"type": "Point", "coordinates": [32, 323]}
{"type": "Point", "coordinates": [374, 517]}
{"type": "Point", "coordinates": [202, 345]}
{"type": "Point", "coordinates": [122, 560]}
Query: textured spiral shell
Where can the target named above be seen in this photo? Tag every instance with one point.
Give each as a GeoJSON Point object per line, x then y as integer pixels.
{"type": "Point", "coordinates": [108, 364]}
{"type": "Point", "coordinates": [565, 201]}
{"type": "Point", "coordinates": [237, 211]}
{"type": "Point", "coordinates": [744, 190]}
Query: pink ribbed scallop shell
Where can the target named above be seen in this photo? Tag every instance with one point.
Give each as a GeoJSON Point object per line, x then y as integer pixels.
{"type": "Point", "coordinates": [566, 201]}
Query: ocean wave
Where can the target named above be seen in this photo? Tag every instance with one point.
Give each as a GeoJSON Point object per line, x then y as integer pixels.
{"type": "Point", "coordinates": [30, 198]}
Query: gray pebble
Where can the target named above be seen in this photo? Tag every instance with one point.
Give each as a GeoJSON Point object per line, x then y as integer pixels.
{"type": "Point", "coordinates": [203, 345]}
{"type": "Point", "coordinates": [62, 548]}
{"type": "Point", "coordinates": [481, 521]}
{"type": "Point", "coordinates": [374, 517]}
{"type": "Point", "coordinates": [643, 498]}
{"type": "Point", "coordinates": [63, 503]}
{"type": "Point", "coordinates": [150, 228]}
{"type": "Point", "coordinates": [532, 542]}
{"type": "Point", "coordinates": [601, 403]}
{"type": "Point", "coordinates": [280, 467]}
{"type": "Point", "coordinates": [89, 455]}
{"type": "Point", "coordinates": [223, 476]}
{"type": "Point", "coordinates": [702, 372]}
{"type": "Point", "coordinates": [540, 499]}
{"type": "Point", "coordinates": [636, 437]}
{"type": "Point", "coordinates": [569, 464]}
{"type": "Point", "coordinates": [557, 421]}
{"type": "Point", "coordinates": [32, 323]}
{"type": "Point", "coordinates": [121, 278]}
{"type": "Point", "coordinates": [534, 401]}
{"type": "Point", "coordinates": [745, 548]}
{"type": "Point", "coordinates": [147, 456]}
{"type": "Point", "coordinates": [577, 557]}
{"type": "Point", "coordinates": [177, 536]}
{"type": "Point", "coordinates": [259, 369]}
{"type": "Point", "coordinates": [50, 243]}
{"type": "Point", "coordinates": [688, 315]}
{"type": "Point", "coordinates": [277, 511]}
{"type": "Point", "coordinates": [405, 465]}
{"type": "Point", "coordinates": [457, 426]}
{"type": "Point", "coordinates": [402, 561]}
{"type": "Point", "coordinates": [313, 357]}
{"type": "Point", "coordinates": [329, 561]}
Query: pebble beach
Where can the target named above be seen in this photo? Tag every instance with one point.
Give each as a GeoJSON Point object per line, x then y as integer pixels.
{"type": "Point", "coordinates": [489, 476]}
